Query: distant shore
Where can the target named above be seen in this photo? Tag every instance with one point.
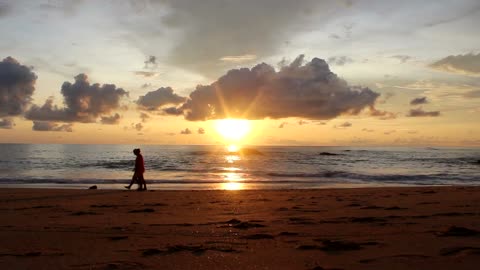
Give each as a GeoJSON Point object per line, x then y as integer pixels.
{"type": "Point", "coordinates": [357, 228]}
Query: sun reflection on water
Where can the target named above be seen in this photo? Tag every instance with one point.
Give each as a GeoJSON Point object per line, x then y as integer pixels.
{"type": "Point", "coordinates": [232, 186]}
{"type": "Point", "coordinates": [232, 176]}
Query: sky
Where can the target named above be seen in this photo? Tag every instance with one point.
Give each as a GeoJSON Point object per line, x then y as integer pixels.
{"type": "Point", "coordinates": [304, 72]}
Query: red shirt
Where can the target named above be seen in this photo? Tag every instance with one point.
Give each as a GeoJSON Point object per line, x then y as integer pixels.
{"type": "Point", "coordinates": [139, 165]}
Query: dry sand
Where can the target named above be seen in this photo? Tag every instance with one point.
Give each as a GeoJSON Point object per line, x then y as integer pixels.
{"type": "Point", "coordinates": [371, 228]}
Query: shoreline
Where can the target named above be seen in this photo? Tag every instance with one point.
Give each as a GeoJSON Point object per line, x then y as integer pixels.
{"type": "Point", "coordinates": [228, 186]}
{"type": "Point", "coordinates": [427, 227]}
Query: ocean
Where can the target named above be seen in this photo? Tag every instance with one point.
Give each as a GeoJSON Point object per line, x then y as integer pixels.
{"type": "Point", "coordinates": [253, 167]}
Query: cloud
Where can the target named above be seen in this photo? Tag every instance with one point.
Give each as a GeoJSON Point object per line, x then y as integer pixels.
{"type": "Point", "coordinates": [151, 62]}
{"type": "Point", "coordinates": [340, 60]}
{"type": "Point", "coordinates": [334, 36]}
{"type": "Point", "coordinates": [472, 94]}
{"type": "Point", "coordinates": [239, 58]}
{"type": "Point", "coordinates": [367, 130]}
{"type": "Point", "coordinates": [302, 122]}
{"type": "Point", "coordinates": [84, 102]}
{"type": "Point", "coordinates": [145, 85]}
{"type": "Point", "coordinates": [464, 64]}
{"type": "Point", "coordinates": [154, 100]}
{"type": "Point", "coordinates": [186, 131]}
{"type": "Point", "coordinates": [17, 84]}
{"type": "Point", "coordinates": [402, 58]}
{"type": "Point", "coordinates": [283, 124]}
{"type": "Point", "coordinates": [386, 97]}
{"type": "Point", "coordinates": [344, 125]}
{"type": "Point", "coordinates": [4, 9]}
{"type": "Point", "coordinates": [144, 117]}
{"type": "Point", "coordinates": [51, 126]}
{"type": "Point", "coordinates": [419, 100]}
{"type": "Point", "coordinates": [382, 115]}
{"type": "Point", "coordinates": [309, 91]}
{"type": "Point", "coordinates": [6, 123]}
{"type": "Point", "coordinates": [388, 132]}
{"type": "Point", "coordinates": [145, 73]}
{"type": "Point", "coordinates": [201, 131]}
{"type": "Point", "coordinates": [211, 30]}
{"type": "Point", "coordinates": [421, 113]}
{"type": "Point", "coordinates": [110, 120]}
{"type": "Point", "coordinates": [138, 126]}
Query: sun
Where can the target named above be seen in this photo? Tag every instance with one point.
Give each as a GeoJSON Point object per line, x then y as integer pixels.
{"type": "Point", "coordinates": [232, 129]}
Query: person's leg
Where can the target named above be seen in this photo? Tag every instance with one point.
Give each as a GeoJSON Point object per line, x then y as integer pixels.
{"type": "Point", "coordinates": [134, 179]}
{"type": "Point", "coordinates": [142, 181]}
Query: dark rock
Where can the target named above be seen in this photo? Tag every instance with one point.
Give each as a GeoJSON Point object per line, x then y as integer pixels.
{"type": "Point", "coordinates": [93, 187]}
{"type": "Point", "coordinates": [328, 154]}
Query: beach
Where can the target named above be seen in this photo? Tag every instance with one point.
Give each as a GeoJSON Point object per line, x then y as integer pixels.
{"type": "Point", "coordinates": [359, 228]}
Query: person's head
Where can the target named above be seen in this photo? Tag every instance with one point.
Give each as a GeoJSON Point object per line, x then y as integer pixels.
{"type": "Point", "coordinates": [136, 151]}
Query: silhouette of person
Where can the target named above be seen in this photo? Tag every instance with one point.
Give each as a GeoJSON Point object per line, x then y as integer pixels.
{"type": "Point", "coordinates": [138, 172]}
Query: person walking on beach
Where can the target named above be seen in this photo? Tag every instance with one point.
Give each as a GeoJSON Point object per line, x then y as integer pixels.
{"type": "Point", "coordinates": [138, 172]}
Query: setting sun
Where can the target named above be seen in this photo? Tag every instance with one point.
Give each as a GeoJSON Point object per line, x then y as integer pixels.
{"type": "Point", "coordinates": [232, 129]}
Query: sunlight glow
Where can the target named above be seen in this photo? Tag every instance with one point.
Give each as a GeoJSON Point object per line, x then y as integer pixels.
{"type": "Point", "coordinates": [232, 186]}
{"type": "Point", "coordinates": [232, 129]}
{"type": "Point", "coordinates": [232, 148]}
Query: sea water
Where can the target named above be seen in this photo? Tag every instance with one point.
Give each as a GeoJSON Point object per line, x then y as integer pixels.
{"type": "Point", "coordinates": [252, 167]}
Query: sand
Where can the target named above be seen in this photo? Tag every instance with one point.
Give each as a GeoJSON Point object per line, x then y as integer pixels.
{"type": "Point", "coordinates": [368, 228]}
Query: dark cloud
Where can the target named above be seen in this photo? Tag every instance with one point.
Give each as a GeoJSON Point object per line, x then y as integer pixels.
{"type": "Point", "coordinates": [309, 91]}
{"type": "Point", "coordinates": [421, 113]}
{"type": "Point", "coordinates": [145, 73]}
{"type": "Point", "coordinates": [17, 84]}
{"type": "Point", "coordinates": [472, 94]}
{"type": "Point", "coordinates": [340, 60]}
{"type": "Point", "coordinates": [154, 100]}
{"type": "Point", "coordinates": [6, 123]}
{"type": "Point", "coordinates": [138, 126]}
{"type": "Point", "coordinates": [201, 131]}
{"type": "Point", "coordinates": [84, 102]}
{"type": "Point", "coordinates": [51, 126]}
{"type": "Point", "coordinates": [419, 100]}
{"type": "Point", "coordinates": [464, 64]}
{"type": "Point", "coordinates": [110, 120]}
{"type": "Point", "coordinates": [283, 124]}
{"type": "Point", "coordinates": [186, 131]}
{"type": "Point", "coordinates": [402, 58]}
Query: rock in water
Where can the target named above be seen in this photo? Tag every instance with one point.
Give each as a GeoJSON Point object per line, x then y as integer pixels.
{"type": "Point", "coordinates": [93, 187]}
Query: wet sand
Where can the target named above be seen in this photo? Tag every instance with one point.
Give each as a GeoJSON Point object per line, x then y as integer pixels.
{"type": "Point", "coordinates": [367, 228]}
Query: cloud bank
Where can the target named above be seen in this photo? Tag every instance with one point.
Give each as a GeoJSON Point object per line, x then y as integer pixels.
{"type": "Point", "coordinates": [464, 64]}
{"type": "Point", "coordinates": [84, 102]}
{"type": "Point", "coordinates": [305, 90]}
